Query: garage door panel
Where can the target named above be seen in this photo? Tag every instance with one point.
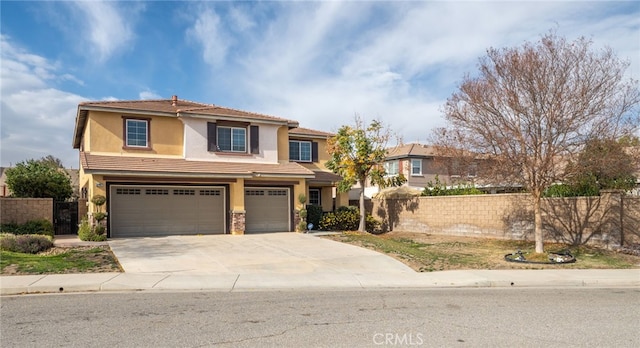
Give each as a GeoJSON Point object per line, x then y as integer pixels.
{"type": "Point", "coordinates": [267, 209]}
{"type": "Point", "coordinates": [166, 210]}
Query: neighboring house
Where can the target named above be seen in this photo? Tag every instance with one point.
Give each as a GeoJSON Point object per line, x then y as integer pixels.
{"type": "Point", "coordinates": [420, 165]}
{"type": "Point", "coordinates": [180, 167]}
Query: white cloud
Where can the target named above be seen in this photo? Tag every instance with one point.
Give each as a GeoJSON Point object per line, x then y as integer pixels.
{"type": "Point", "coordinates": [322, 62]}
{"type": "Point", "coordinates": [21, 69]}
{"type": "Point", "coordinates": [209, 32]}
{"type": "Point", "coordinates": [146, 95]}
{"type": "Point", "coordinates": [105, 27]}
{"type": "Point", "coordinates": [240, 19]}
{"type": "Point", "coordinates": [37, 120]}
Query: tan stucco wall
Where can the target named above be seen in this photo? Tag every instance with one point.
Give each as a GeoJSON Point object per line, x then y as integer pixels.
{"type": "Point", "coordinates": [105, 131]}
{"type": "Point", "coordinates": [342, 199]}
{"type": "Point", "coordinates": [283, 144]}
{"type": "Point", "coordinates": [236, 196]}
{"type": "Point", "coordinates": [326, 198]}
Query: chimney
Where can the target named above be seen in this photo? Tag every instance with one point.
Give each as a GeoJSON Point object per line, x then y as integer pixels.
{"type": "Point", "coordinates": [174, 100]}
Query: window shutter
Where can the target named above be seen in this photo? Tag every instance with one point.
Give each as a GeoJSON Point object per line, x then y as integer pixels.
{"type": "Point", "coordinates": [212, 144]}
{"type": "Point", "coordinates": [254, 140]}
{"type": "Point", "coordinates": [314, 152]}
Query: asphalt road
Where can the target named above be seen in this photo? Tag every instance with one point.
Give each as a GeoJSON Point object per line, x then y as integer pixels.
{"type": "Point", "coordinates": [428, 318]}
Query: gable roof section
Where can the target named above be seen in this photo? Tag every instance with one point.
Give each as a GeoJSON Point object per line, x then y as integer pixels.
{"type": "Point", "coordinates": [147, 166]}
{"type": "Point", "coordinates": [167, 107]}
{"type": "Point", "coordinates": [323, 177]}
{"type": "Point", "coordinates": [309, 133]}
{"type": "Point", "coordinates": [411, 150]}
{"type": "Point", "coordinates": [218, 111]}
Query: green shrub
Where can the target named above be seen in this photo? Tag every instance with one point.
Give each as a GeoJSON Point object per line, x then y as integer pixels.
{"type": "Point", "coordinates": [99, 216]}
{"type": "Point", "coordinates": [26, 243]}
{"type": "Point", "coordinates": [98, 200]}
{"type": "Point", "coordinates": [314, 214]}
{"type": "Point", "coordinates": [347, 219]}
{"type": "Point", "coordinates": [38, 227]}
{"type": "Point", "coordinates": [9, 228]}
{"type": "Point", "coordinates": [91, 234]}
{"type": "Point", "coordinates": [41, 226]}
{"type": "Point", "coordinates": [440, 188]}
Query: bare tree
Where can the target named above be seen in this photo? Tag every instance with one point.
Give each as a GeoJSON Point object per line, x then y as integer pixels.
{"type": "Point", "coordinates": [532, 108]}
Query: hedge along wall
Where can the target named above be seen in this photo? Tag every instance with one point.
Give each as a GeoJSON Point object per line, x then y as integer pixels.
{"type": "Point", "coordinates": [510, 216]}
{"type": "Point", "coordinates": [21, 210]}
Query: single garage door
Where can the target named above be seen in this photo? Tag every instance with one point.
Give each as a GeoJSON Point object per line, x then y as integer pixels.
{"type": "Point", "coordinates": [137, 211]}
{"type": "Point", "coordinates": [267, 209]}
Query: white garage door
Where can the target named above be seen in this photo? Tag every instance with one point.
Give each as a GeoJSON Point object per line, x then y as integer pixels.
{"type": "Point", "coordinates": [166, 210]}
{"type": "Point", "coordinates": [267, 209]}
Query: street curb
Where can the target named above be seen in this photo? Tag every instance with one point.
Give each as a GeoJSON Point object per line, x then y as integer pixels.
{"type": "Point", "coordinates": [229, 282]}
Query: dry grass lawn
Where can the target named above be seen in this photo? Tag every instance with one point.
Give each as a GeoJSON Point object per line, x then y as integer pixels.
{"type": "Point", "coordinates": [426, 253]}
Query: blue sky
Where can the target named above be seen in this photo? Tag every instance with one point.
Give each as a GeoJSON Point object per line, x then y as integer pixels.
{"type": "Point", "coordinates": [316, 62]}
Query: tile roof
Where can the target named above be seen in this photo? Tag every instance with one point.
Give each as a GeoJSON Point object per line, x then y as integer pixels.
{"type": "Point", "coordinates": [412, 150]}
{"type": "Point", "coordinates": [325, 177]}
{"type": "Point", "coordinates": [180, 167]}
{"type": "Point", "coordinates": [160, 105]}
{"type": "Point", "coordinates": [166, 107]}
{"type": "Point", "coordinates": [213, 110]}
{"type": "Point", "coordinates": [309, 132]}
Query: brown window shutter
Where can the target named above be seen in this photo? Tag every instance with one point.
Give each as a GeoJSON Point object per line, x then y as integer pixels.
{"type": "Point", "coordinates": [255, 142]}
{"type": "Point", "coordinates": [314, 152]}
{"type": "Point", "coordinates": [212, 144]}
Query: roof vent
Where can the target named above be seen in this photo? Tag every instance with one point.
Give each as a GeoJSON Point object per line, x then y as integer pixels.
{"type": "Point", "coordinates": [174, 100]}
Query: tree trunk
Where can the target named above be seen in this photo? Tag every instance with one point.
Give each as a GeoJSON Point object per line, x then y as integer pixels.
{"type": "Point", "coordinates": [363, 213]}
{"type": "Point", "coordinates": [538, 224]}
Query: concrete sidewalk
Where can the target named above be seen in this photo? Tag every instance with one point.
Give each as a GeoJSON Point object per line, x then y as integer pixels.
{"type": "Point", "coordinates": [63, 283]}
{"type": "Point", "coordinates": [230, 264]}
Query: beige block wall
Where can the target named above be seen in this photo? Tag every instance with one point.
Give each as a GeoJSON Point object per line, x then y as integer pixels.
{"type": "Point", "coordinates": [21, 210]}
{"type": "Point", "coordinates": [510, 216]}
{"type": "Point", "coordinates": [631, 220]}
{"type": "Point", "coordinates": [482, 215]}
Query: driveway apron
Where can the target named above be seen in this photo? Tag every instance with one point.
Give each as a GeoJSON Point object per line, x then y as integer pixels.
{"type": "Point", "coordinates": [281, 253]}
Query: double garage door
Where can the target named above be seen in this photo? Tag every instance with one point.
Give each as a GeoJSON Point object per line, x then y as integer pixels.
{"type": "Point", "coordinates": [148, 210]}
{"type": "Point", "coordinates": [137, 211]}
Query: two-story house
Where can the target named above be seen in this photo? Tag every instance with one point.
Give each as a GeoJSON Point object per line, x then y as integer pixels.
{"type": "Point", "coordinates": [180, 167]}
{"type": "Point", "coordinates": [420, 164]}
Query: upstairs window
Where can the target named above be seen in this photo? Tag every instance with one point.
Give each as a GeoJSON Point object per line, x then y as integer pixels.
{"type": "Point", "coordinates": [136, 133]}
{"type": "Point", "coordinates": [391, 167]}
{"type": "Point", "coordinates": [416, 167]}
{"type": "Point", "coordinates": [232, 139]}
{"type": "Point", "coordinates": [300, 151]}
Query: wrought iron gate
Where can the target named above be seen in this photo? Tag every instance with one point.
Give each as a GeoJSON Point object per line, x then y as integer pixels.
{"type": "Point", "coordinates": [65, 217]}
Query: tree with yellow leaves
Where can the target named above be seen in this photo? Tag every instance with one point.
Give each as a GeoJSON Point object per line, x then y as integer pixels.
{"type": "Point", "coordinates": [357, 153]}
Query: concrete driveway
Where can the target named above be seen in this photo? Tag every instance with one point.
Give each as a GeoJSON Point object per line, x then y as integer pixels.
{"type": "Point", "coordinates": [281, 253]}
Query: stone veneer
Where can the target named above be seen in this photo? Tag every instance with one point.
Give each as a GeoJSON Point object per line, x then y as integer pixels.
{"type": "Point", "coordinates": [238, 222]}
